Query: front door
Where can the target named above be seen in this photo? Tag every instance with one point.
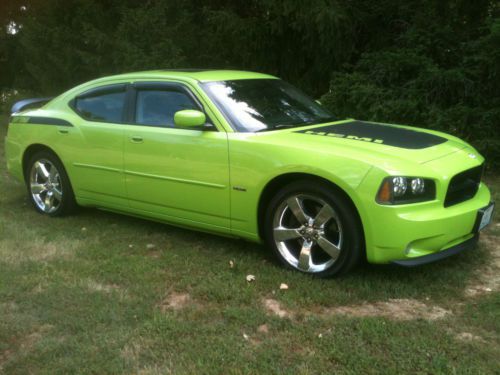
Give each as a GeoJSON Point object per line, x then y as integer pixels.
{"type": "Point", "coordinates": [180, 174]}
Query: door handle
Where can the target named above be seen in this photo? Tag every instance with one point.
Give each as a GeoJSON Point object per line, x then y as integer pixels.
{"type": "Point", "coordinates": [63, 131]}
{"type": "Point", "coordinates": [136, 139]}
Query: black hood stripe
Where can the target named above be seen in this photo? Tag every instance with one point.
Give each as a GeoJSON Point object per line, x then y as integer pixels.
{"type": "Point", "coordinates": [377, 133]}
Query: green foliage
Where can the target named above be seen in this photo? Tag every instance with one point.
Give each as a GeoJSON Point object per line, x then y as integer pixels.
{"type": "Point", "coordinates": [432, 63]}
{"type": "Point", "coordinates": [440, 83]}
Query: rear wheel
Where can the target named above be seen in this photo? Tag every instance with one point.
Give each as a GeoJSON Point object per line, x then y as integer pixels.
{"type": "Point", "coordinates": [312, 228]}
{"type": "Point", "coordinates": [48, 185]}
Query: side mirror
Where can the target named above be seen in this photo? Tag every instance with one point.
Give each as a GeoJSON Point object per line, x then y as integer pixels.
{"type": "Point", "coordinates": [189, 118]}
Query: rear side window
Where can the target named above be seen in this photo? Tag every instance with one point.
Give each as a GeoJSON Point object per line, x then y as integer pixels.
{"type": "Point", "coordinates": [157, 107]}
{"type": "Point", "coordinates": [105, 105]}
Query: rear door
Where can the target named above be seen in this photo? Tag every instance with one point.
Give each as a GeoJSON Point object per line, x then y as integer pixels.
{"type": "Point", "coordinates": [177, 173]}
{"type": "Point", "coordinates": [97, 155]}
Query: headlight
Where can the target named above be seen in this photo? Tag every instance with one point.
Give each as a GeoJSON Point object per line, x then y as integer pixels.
{"type": "Point", "coordinates": [403, 190]}
{"type": "Point", "coordinates": [418, 186]}
{"type": "Point", "coordinates": [399, 186]}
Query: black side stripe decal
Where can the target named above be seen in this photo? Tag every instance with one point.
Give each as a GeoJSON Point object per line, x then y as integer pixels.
{"type": "Point", "coordinates": [48, 121]}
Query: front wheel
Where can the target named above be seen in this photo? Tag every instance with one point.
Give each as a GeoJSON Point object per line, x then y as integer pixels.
{"type": "Point", "coordinates": [48, 185]}
{"type": "Point", "coordinates": [312, 228]}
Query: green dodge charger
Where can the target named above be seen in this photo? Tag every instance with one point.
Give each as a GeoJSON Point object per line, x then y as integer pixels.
{"type": "Point", "coordinates": [248, 155]}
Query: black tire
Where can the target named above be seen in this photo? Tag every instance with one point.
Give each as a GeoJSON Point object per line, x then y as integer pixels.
{"type": "Point", "coordinates": [348, 234]}
{"type": "Point", "coordinates": [63, 206]}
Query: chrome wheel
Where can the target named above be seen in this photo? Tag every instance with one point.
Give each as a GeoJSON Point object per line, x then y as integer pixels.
{"type": "Point", "coordinates": [308, 233]}
{"type": "Point", "coordinates": [45, 186]}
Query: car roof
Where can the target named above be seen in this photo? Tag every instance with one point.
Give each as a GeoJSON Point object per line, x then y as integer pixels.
{"type": "Point", "coordinates": [186, 75]}
{"type": "Point", "coordinates": [200, 75]}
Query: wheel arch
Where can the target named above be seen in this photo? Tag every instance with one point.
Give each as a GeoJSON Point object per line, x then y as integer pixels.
{"type": "Point", "coordinates": [274, 185]}
{"type": "Point", "coordinates": [33, 149]}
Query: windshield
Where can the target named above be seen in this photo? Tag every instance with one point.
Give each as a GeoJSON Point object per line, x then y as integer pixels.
{"type": "Point", "coordinates": [253, 105]}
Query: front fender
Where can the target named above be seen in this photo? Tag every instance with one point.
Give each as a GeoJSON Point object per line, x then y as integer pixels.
{"type": "Point", "coordinates": [254, 165]}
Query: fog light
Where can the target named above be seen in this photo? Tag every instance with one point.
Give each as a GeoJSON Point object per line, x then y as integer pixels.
{"type": "Point", "coordinates": [417, 186]}
{"type": "Point", "coordinates": [399, 186]}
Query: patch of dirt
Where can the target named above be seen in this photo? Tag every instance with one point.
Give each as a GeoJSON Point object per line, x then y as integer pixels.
{"type": "Point", "coordinates": [252, 340]}
{"type": "Point", "coordinates": [469, 337]}
{"type": "Point", "coordinates": [257, 339]}
{"type": "Point", "coordinates": [156, 254]}
{"type": "Point", "coordinates": [274, 307]}
{"type": "Point", "coordinates": [176, 301]}
{"type": "Point", "coordinates": [488, 277]}
{"type": "Point", "coordinates": [263, 329]}
{"type": "Point", "coordinates": [39, 288]}
{"type": "Point", "coordinates": [395, 309]}
{"type": "Point", "coordinates": [5, 357]}
{"type": "Point", "coordinates": [24, 344]}
{"type": "Point", "coordinates": [95, 286]}
{"type": "Point", "coordinates": [154, 370]}
{"type": "Point", "coordinates": [38, 251]}
{"type": "Point", "coordinates": [111, 289]}
{"type": "Point", "coordinates": [8, 307]}
{"type": "Point", "coordinates": [132, 351]}
{"type": "Point", "coordinates": [29, 341]}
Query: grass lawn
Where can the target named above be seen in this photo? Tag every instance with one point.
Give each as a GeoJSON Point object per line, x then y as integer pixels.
{"type": "Point", "coordinates": [103, 293]}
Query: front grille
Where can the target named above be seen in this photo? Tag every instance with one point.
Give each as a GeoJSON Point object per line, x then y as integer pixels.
{"type": "Point", "coordinates": [463, 186]}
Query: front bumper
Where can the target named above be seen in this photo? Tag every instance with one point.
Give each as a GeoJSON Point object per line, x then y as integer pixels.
{"type": "Point", "coordinates": [434, 257]}
{"type": "Point", "coordinates": [413, 231]}
{"type": "Point", "coordinates": [410, 231]}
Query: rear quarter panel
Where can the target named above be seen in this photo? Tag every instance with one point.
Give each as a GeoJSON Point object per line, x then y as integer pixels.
{"type": "Point", "coordinates": [23, 134]}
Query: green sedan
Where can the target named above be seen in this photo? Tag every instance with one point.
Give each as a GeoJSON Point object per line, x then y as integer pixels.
{"type": "Point", "coordinates": [248, 155]}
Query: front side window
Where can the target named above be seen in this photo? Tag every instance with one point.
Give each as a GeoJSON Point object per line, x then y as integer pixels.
{"type": "Point", "coordinates": [157, 107]}
{"type": "Point", "coordinates": [265, 104]}
{"type": "Point", "coordinates": [104, 107]}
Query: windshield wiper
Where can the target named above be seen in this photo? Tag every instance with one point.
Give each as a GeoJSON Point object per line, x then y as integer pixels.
{"type": "Point", "coordinates": [279, 126]}
{"type": "Point", "coordinates": [319, 121]}
{"type": "Point", "coordinates": [315, 122]}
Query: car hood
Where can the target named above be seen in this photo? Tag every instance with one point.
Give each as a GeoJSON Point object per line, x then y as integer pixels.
{"type": "Point", "coordinates": [375, 140]}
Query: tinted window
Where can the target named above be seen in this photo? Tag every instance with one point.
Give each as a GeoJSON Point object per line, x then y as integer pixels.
{"type": "Point", "coordinates": [265, 104]}
{"type": "Point", "coordinates": [158, 107]}
{"type": "Point", "coordinates": [106, 107]}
